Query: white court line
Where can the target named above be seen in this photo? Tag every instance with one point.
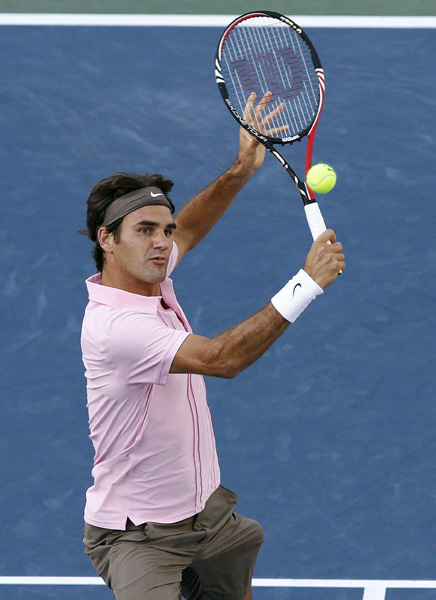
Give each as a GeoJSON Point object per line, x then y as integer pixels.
{"type": "Point", "coordinates": [55, 19]}
{"type": "Point", "coordinates": [304, 583]}
{"type": "Point", "coordinates": [373, 589]}
{"type": "Point", "coordinates": [346, 583]}
{"type": "Point", "coordinates": [17, 580]}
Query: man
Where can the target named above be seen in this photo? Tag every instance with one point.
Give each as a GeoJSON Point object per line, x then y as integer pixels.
{"type": "Point", "coordinates": [158, 524]}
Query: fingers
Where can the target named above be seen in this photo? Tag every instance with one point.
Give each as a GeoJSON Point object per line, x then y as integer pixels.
{"type": "Point", "coordinates": [255, 115]}
{"type": "Point", "coordinates": [326, 259]}
{"type": "Point", "coordinates": [249, 107]}
{"type": "Point", "coordinates": [329, 237]}
{"type": "Point", "coordinates": [252, 112]}
{"type": "Point", "coordinates": [333, 247]}
{"type": "Point", "coordinates": [274, 113]}
{"type": "Point", "coordinates": [337, 252]}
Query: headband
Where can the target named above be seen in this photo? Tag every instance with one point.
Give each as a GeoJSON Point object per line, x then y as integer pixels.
{"type": "Point", "coordinates": [124, 205]}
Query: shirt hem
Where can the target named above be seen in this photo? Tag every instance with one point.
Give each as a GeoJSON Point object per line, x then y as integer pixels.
{"type": "Point", "coordinates": [148, 518]}
{"type": "Point", "coordinates": [121, 525]}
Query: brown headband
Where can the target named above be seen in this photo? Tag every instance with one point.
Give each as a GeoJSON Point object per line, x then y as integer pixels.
{"type": "Point", "coordinates": [124, 205]}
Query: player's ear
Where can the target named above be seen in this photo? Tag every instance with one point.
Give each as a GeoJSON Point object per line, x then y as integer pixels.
{"type": "Point", "coordinates": [105, 239]}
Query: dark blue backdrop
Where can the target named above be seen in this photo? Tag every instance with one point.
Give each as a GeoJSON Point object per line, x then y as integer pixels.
{"type": "Point", "coordinates": [330, 438]}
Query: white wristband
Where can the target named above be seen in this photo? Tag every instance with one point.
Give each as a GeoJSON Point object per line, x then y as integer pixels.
{"type": "Point", "coordinates": [297, 294]}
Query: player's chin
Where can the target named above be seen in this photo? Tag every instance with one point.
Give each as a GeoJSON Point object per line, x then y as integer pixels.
{"type": "Point", "coordinates": [157, 273]}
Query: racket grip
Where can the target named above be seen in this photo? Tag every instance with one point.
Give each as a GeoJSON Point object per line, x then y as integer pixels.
{"type": "Point", "coordinates": [314, 219]}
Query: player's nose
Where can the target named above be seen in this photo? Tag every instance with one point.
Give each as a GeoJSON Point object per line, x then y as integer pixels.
{"type": "Point", "coordinates": [160, 240]}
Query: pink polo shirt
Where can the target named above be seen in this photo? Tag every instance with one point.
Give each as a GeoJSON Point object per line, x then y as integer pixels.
{"type": "Point", "coordinates": [155, 456]}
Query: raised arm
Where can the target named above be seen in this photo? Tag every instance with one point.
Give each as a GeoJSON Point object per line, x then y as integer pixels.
{"type": "Point", "coordinates": [199, 215]}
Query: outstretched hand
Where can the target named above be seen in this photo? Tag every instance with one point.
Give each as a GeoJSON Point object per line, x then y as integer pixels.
{"type": "Point", "coordinates": [251, 151]}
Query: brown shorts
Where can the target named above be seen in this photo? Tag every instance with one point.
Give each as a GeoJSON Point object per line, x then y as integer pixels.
{"type": "Point", "coordinates": [209, 556]}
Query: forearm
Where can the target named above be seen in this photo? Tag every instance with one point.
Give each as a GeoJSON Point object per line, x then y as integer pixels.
{"type": "Point", "coordinates": [234, 350]}
{"type": "Point", "coordinates": [203, 211]}
{"type": "Point", "coordinates": [245, 343]}
{"type": "Point", "coordinates": [200, 214]}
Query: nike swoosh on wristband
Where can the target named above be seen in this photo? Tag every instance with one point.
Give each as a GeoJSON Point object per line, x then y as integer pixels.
{"type": "Point", "coordinates": [155, 195]}
{"type": "Point", "coordinates": [295, 287]}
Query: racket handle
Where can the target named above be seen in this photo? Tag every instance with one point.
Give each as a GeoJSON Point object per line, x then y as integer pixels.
{"type": "Point", "coordinates": [314, 219]}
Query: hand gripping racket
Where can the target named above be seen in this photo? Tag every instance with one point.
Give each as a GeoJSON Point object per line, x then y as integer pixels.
{"type": "Point", "coordinates": [263, 52]}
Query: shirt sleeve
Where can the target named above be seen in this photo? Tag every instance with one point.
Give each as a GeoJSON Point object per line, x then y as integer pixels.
{"type": "Point", "coordinates": [141, 348]}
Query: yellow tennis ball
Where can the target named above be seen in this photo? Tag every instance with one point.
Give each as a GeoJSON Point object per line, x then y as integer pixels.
{"type": "Point", "coordinates": [321, 178]}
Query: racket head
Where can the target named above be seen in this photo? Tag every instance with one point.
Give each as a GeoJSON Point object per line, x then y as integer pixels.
{"type": "Point", "coordinates": [265, 51]}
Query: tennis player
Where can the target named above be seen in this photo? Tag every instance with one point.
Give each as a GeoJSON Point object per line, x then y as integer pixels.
{"type": "Point", "coordinates": [158, 523]}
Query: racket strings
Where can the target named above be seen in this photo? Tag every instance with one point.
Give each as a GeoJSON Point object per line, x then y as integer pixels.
{"type": "Point", "coordinates": [262, 54]}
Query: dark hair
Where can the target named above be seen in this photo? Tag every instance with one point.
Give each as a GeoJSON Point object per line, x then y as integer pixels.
{"type": "Point", "coordinates": [104, 193]}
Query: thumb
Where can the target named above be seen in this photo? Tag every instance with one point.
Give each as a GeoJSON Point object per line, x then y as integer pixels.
{"type": "Point", "coordinates": [326, 236]}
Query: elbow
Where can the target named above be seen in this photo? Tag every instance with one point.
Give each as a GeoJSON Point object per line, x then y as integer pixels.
{"type": "Point", "coordinates": [203, 356]}
{"type": "Point", "coordinates": [221, 362]}
{"type": "Point", "coordinates": [228, 373]}
{"type": "Point", "coordinates": [227, 369]}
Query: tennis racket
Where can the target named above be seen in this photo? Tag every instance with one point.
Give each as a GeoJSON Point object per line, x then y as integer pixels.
{"type": "Point", "coordinates": [263, 52]}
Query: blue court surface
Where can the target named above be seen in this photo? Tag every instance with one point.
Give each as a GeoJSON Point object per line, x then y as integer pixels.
{"type": "Point", "coordinates": [329, 439]}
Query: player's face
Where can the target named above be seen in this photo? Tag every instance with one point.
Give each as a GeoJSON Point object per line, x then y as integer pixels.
{"type": "Point", "coordinates": [139, 260]}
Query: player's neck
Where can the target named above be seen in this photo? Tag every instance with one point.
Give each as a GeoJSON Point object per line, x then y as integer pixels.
{"type": "Point", "coordinates": [133, 286]}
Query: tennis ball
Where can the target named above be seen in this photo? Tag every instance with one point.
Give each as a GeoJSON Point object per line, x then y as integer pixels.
{"type": "Point", "coordinates": [321, 178]}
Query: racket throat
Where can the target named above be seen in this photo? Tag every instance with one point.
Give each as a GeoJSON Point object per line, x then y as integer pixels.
{"type": "Point", "coordinates": [306, 193]}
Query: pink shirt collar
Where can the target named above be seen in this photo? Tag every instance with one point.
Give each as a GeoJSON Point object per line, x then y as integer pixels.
{"type": "Point", "coordinates": [103, 294]}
